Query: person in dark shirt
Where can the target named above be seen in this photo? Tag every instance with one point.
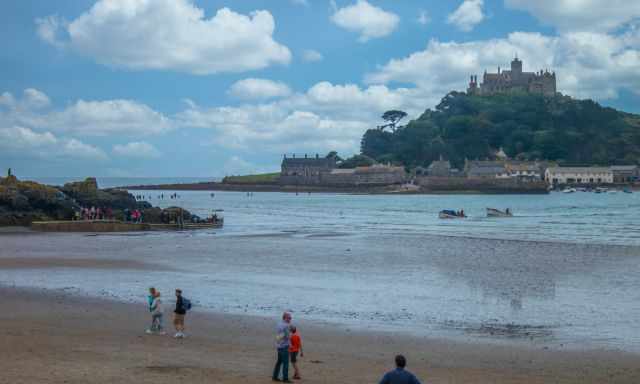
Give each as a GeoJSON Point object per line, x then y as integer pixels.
{"type": "Point", "coordinates": [179, 314]}
{"type": "Point", "coordinates": [399, 375]}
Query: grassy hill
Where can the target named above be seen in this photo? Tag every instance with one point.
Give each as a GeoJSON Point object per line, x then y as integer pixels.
{"type": "Point", "coordinates": [526, 126]}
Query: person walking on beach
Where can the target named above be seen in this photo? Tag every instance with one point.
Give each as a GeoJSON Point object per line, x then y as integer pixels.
{"type": "Point", "coordinates": [179, 313]}
{"type": "Point", "coordinates": [155, 307]}
{"type": "Point", "coordinates": [295, 348]}
{"type": "Point", "coordinates": [282, 346]}
{"type": "Point", "coordinates": [399, 375]}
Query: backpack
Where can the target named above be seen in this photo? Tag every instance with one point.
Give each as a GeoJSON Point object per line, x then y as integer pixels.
{"type": "Point", "coordinates": [186, 304]}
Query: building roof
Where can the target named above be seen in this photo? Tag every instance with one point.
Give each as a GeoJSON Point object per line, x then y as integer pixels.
{"type": "Point", "coordinates": [623, 168]}
{"type": "Point", "coordinates": [440, 164]}
{"type": "Point", "coordinates": [308, 161]}
{"type": "Point", "coordinates": [487, 170]}
{"type": "Point", "coordinates": [579, 169]}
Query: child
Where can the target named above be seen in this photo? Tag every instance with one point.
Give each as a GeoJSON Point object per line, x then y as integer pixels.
{"type": "Point", "coordinates": [295, 347]}
{"type": "Point", "coordinates": [155, 307]}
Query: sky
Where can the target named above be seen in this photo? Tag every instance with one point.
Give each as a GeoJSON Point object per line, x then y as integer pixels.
{"type": "Point", "coordinates": [208, 88]}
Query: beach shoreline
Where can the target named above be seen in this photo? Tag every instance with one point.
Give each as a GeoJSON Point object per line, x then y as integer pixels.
{"type": "Point", "coordinates": [53, 337]}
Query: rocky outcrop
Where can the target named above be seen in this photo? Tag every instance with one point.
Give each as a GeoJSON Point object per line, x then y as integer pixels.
{"type": "Point", "coordinates": [22, 202]}
{"type": "Point", "coordinates": [87, 194]}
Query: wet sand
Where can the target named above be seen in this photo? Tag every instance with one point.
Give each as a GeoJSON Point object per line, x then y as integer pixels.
{"type": "Point", "coordinates": [52, 337]}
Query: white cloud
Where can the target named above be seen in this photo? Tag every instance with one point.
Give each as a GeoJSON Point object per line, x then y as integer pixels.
{"type": "Point", "coordinates": [467, 15]}
{"type": "Point", "coordinates": [169, 35]}
{"type": "Point", "coordinates": [236, 165]}
{"type": "Point", "coordinates": [28, 143]}
{"type": "Point", "coordinates": [86, 118]}
{"type": "Point", "coordinates": [580, 15]}
{"type": "Point", "coordinates": [31, 99]}
{"type": "Point", "coordinates": [136, 149]}
{"type": "Point", "coordinates": [424, 18]}
{"type": "Point", "coordinates": [588, 65]}
{"type": "Point", "coordinates": [251, 88]}
{"type": "Point", "coordinates": [324, 118]}
{"type": "Point", "coordinates": [310, 56]}
{"type": "Point", "coordinates": [35, 99]}
{"type": "Point", "coordinates": [369, 21]}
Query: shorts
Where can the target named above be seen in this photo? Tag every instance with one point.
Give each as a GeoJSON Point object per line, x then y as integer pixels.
{"type": "Point", "coordinates": [294, 356]}
{"type": "Point", "coordinates": [178, 319]}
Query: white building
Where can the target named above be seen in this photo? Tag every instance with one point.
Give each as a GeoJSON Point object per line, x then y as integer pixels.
{"type": "Point", "coordinates": [578, 175]}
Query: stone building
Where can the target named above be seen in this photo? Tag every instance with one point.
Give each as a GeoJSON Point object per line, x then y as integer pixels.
{"type": "Point", "coordinates": [305, 170]}
{"type": "Point", "coordinates": [439, 168]}
{"type": "Point", "coordinates": [514, 80]}
{"type": "Point", "coordinates": [578, 175]}
{"type": "Point", "coordinates": [375, 175]}
{"type": "Point", "coordinates": [485, 169]}
{"type": "Point", "coordinates": [625, 173]}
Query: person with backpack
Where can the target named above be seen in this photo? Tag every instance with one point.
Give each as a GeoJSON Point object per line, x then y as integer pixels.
{"type": "Point", "coordinates": [182, 306]}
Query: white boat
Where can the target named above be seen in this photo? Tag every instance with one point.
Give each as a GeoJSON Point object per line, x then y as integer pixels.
{"type": "Point", "coordinates": [492, 212]}
{"type": "Point", "coordinates": [449, 214]}
{"type": "Point", "coordinates": [613, 191]}
{"type": "Point", "coordinates": [569, 190]}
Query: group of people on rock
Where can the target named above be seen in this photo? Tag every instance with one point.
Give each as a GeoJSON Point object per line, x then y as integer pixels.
{"type": "Point", "coordinates": [155, 308]}
{"type": "Point", "coordinates": [94, 213]}
{"type": "Point", "coordinates": [134, 216]}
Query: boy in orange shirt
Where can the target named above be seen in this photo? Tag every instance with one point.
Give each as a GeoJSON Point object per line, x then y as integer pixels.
{"type": "Point", "coordinates": [295, 347]}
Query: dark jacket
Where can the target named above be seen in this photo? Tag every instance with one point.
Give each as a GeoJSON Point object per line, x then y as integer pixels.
{"type": "Point", "coordinates": [180, 310]}
{"type": "Point", "coordinates": [399, 376]}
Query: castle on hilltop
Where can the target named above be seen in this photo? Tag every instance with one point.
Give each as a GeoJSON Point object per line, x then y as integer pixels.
{"type": "Point", "coordinates": [514, 80]}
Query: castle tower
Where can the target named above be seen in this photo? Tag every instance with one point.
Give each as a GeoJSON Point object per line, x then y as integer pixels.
{"type": "Point", "coordinates": [516, 67]}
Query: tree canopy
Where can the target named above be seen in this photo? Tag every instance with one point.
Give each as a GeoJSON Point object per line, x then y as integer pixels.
{"type": "Point", "coordinates": [526, 126]}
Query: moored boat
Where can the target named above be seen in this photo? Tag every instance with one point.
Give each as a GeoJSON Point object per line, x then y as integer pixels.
{"type": "Point", "coordinates": [569, 190]}
{"type": "Point", "coordinates": [493, 212]}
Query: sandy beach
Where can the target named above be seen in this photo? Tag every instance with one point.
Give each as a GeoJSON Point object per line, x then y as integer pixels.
{"type": "Point", "coordinates": [53, 337]}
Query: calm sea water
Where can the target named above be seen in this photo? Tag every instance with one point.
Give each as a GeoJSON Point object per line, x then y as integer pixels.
{"type": "Point", "coordinates": [563, 273]}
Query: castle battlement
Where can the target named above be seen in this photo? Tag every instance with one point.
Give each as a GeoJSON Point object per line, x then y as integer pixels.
{"type": "Point", "coordinates": [514, 80]}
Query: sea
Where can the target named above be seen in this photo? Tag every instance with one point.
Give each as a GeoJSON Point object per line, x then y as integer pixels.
{"type": "Point", "coordinates": [564, 272]}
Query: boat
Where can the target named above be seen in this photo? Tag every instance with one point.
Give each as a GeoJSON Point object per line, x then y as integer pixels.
{"type": "Point", "coordinates": [627, 190]}
{"type": "Point", "coordinates": [613, 191]}
{"type": "Point", "coordinates": [569, 190]}
{"type": "Point", "coordinates": [450, 214]}
{"type": "Point", "coordinates": [492, 212]}
{"type": "Point", "coordinates": [600, 190]}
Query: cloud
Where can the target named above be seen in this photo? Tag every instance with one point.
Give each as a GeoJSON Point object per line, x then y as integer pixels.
{"type": "Point", "coordinates": [35, 99]}
{"type": "Point", "coordinates": [369, 21]}
{"type": "Point", "coordinates": [168, 35]}
{"type": "Point", "coordinates": [236, 165]}
{"type": "Point", "coordinates": [311, 56]}
{"type": "Point", "coordinates": [85, 118]}
{"type": "Point", "coordinates": [102, 118]}
{"type": "Point", "coordinates": [580, 15]}
{"type": "Point", "coordinates": [136, 149]}
{"type": "Point", "coordinates": [25, 142]}
{"type": "Point", "coordinates": [251, 88]}
{"type": "Point", "coordinates": [588, 65]}
{"type": "Point", "coordinates": [467, 15]}
{"type": "Point", "coordinates": [31, 99]}
{"type": "Point", "coordinates": [424, 18]}
{"type": "Point", "coordinates": [326, 117]}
